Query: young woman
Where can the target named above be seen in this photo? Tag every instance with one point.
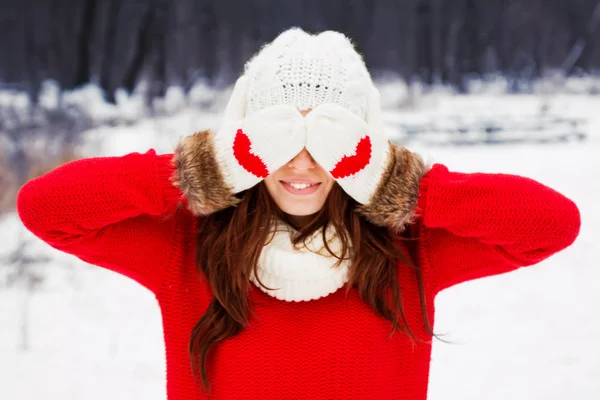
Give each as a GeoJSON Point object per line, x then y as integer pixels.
{"type": "Point", "coordinates": [296, 253]}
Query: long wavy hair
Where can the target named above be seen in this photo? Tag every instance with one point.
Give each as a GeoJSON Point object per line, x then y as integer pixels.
{"type": "Point", "coordinates": [230, 241]}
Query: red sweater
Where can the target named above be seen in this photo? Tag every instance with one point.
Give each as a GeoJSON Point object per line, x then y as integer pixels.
{"type": "Point", "coordinates": [111, 212]}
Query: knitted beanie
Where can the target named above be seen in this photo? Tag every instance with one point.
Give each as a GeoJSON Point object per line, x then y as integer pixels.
{"type": "Point", "coordinates": [300, 71]}
{"type": "Point", "coordinates": [304, 70]}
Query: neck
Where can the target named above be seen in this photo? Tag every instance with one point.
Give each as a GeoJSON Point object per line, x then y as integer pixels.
{"type": "Point", "coordinates": [300, 221]}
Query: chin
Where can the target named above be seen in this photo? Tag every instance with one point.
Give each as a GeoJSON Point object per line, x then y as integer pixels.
{"type": "Point", "coordinates": [300, 210]}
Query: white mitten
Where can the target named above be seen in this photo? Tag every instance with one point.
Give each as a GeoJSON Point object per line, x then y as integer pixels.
{"type": "Point", "coordinates": [382, 177]}
{"type": "Point", "coordinates": [355, 152]}
{"type": "Point", "coordinates": [210, 168]}
{"type": "Point", "coordinates": [250, 148]}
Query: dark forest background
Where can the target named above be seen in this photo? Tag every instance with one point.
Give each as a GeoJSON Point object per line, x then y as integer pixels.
{"type": "Point", "coordinates": [120, 43]}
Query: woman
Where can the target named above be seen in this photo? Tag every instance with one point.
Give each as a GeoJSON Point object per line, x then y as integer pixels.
{"type": "Point", "coordinates": [247, 236]}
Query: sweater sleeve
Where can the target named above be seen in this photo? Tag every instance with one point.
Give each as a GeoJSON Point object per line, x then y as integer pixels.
{"type": "Point", "coordinates": [114, 212]}
{"type": "Point", "coordinates": [478, 224]}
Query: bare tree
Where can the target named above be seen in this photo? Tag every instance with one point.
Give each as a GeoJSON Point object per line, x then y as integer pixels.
{"type": "Point", "coordinates": [83, 69]}
{"type": "Point", "coordinates": [107, 81]}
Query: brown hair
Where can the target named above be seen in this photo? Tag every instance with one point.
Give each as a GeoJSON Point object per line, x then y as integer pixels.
{"type": "Point", "coordinates": [229, 244]}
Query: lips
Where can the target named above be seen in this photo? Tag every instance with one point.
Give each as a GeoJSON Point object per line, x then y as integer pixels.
{"type": "Point", "coordinates": [304, 191]}
{"type": "Point", "coordinates": [301, 180]}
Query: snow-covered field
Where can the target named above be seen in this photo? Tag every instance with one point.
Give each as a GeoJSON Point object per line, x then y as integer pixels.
{"type": "Point", "coordinates": [86, 333]}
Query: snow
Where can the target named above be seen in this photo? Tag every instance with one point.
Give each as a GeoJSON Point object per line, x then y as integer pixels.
{"type": "Point", "coordinates": [87, 333]}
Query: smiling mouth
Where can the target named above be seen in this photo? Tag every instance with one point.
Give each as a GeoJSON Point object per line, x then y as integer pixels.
{"type": "Point", "coordinates": [300, 187]}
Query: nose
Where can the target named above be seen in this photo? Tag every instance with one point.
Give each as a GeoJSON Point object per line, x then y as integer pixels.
{"type": "Point", "coordinates": [302, 161]}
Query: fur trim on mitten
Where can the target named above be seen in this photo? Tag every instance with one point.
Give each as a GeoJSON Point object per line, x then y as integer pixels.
{"type": "Point", "coordinates": [394, 202]}
{"type": "Point", "coordinates": [199, 176]}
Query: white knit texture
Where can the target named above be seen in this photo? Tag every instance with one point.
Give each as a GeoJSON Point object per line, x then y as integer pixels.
{"type": "Point", "coordinates": [305, 71]}
{"type": "Point", "coordinates": [299, 71]}
{"type": "Point", "coordinates": [333, 133]}
{"type": "Point", "coordinates": [300, 274]}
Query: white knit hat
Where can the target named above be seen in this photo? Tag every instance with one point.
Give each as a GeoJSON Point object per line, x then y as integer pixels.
{"type": "Point", "coordinates": [304, 70]}
{"type": "Point", "coordinates": [263, 129]}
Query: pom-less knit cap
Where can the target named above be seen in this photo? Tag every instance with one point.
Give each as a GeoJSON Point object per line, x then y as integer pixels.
{"type": "Point", "coordinates": [304, 71]}
{"type": "Point", "coordinates": [263, 128]}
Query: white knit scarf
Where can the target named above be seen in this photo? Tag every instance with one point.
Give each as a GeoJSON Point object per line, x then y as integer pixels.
{"type": "Point", "coordinates": [302, 273]}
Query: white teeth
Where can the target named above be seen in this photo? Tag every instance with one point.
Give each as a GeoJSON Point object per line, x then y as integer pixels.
{"type": "Point", "coordinates": [300, 186]}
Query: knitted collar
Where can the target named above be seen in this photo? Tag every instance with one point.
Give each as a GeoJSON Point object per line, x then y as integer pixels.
{"type": "Point", "coordinates": [302, 273]}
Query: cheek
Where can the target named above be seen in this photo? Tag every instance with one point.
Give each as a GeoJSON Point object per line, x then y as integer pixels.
{"type": "Point", "coordinates": [271, 185]}
{"type": "Point", "coordinates": [329, 182]}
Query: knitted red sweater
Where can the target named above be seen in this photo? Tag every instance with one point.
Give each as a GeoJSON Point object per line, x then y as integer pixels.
{"type": "Point", "coordinates": [111, 212]}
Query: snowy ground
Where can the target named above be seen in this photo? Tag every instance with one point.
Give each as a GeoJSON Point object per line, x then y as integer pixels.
{"type": "Point", "coordinates": [86, 333]}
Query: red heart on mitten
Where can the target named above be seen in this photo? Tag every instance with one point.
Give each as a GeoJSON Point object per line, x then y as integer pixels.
{"type": "Point", "coordinates": [350, 165]}
{"type": "Point", "coordinates": [250, 162]}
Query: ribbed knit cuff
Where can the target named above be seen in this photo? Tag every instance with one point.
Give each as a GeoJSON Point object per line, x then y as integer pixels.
{"type": "Point", "coordinates": [422, 201]}
{"type": "Point", "coordinates": [165, 170]}
{"type": "Point", "coordinates": [425, 187]}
